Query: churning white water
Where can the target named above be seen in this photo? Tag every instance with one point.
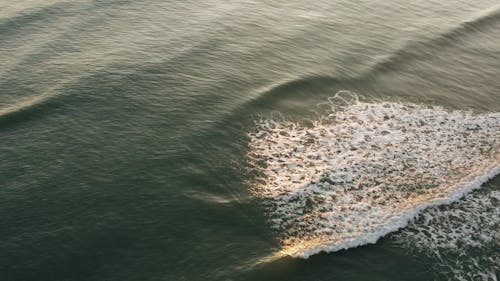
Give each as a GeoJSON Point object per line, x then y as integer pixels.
{"type": "Point", "coordinates": [463, 238]}
{"type": "Point", "coordinates": [366, 169]}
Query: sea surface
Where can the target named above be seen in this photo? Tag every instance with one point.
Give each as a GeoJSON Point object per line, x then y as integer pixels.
{"type": "Point", "coordinates": [249, 140]}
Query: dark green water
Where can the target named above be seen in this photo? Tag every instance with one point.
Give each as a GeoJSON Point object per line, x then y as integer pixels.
{"type": "Point", "coordinates": [123, 129]}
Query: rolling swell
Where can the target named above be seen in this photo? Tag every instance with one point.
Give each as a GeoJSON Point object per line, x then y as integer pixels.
{"type": "Point", "coordinates": [53, 99]}
{"type": "Point", "coordinates": [27, 108]}
{"type": "Point", "coordinates": [307, 85]}
{"type": "Point", "coordinates": [42, 16]}
{"type": "Point", "coordinates": [418, 50]}
{"type": "Point", "coordinates": [300, 88]}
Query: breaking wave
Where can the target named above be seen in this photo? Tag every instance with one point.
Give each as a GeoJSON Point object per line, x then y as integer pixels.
{"type": "Point", "coordinates": [366, 169]}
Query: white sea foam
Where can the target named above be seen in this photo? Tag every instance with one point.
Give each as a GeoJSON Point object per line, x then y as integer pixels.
{"type": "Point", "coordinates": [367, 169]}
{"type": "Point", "coordinates": [463, 238]}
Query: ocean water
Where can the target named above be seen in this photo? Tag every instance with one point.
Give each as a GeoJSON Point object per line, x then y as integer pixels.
{"type": "Point", "coordinates": [249, 140]}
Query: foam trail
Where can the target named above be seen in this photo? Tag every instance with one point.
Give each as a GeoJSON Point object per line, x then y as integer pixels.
{"type": "Point", "coordinates": [367, 169]}
{"type": "Point", "coordinates": [463, 238]}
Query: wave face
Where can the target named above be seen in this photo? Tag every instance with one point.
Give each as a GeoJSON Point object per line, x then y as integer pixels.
{"type": "Point", "coordinates": [366, 169]}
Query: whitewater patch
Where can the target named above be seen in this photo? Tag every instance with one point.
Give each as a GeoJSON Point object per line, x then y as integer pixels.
{"type": "Point", "coordinates": [364, 170]}
{"type": "Point", "coordinates": [463, 238]}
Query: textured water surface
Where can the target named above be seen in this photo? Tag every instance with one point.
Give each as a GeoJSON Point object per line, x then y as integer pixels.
{"type": "Point", "coordinates": [249, 140]}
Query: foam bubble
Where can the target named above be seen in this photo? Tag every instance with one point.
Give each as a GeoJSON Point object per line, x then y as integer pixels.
{"type": "Point", "coordinates": [366, 169]}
